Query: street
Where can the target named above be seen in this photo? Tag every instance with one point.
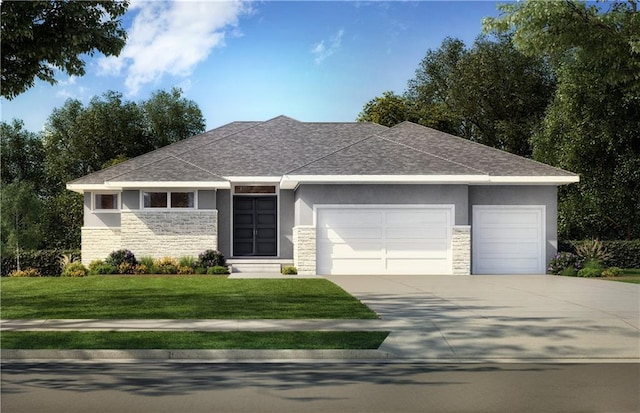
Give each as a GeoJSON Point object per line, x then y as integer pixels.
{"type": "Point", "coordinates": [317, 387]}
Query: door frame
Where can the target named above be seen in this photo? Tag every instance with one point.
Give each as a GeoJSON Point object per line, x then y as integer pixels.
{"type": "Point", "coordinates": [277, 195]}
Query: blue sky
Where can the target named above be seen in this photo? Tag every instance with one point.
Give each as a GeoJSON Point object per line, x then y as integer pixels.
{"type": "Point", "coordinates": [313, 61]}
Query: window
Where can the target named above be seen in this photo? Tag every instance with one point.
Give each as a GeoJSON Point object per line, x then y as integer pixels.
{"type": "Point", "coordinates": [169, 199]}
{"type": "Point", "coordinates": [255, 189]}
{"type": "Point", "coordinates": [105, 202]}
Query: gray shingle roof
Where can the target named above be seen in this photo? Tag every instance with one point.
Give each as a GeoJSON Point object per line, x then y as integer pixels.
{"type": "Point", "coordinates": [285, 146]}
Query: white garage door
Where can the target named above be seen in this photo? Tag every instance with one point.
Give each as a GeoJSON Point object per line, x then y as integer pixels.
{"type": "Point", "coordinates": [384, 240]}
{"type": "Point", "coordinates": [508, 239]}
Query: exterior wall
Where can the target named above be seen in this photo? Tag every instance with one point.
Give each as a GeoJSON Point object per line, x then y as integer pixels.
{"type": "Point", "coordinates": [522, 195]}
{"type": "Point", "coordinates": [97, 243]}
{"type": "Point", "coordinates": [285, 221]}
{"type": "Point", "coordinates": [304, 249]}
{"type": "Point", "coordinates": [224, 221]}
{"type": "Point", "coordinates": [206, 199]}
{"type": "Point", "coordinates": [461, 249]}
{"type": "Point", "coordinates": [131, 199]}
{"type": "Point", "coordinates": [93, 219]}
{"type": "Point", "coordinates": [309, 195]}
{"type": "Point", "coordinates": [158, 233]}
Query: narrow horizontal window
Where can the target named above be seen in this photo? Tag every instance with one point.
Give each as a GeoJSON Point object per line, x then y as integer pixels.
{"type": "Point", "coordinates": [105, 201]}
{"type": "Point", "coordinates": [155, 199]}
{"type": "Point", "coordinates": [255, 189]}
{"type": "Point", "coordinates": [182, 199]}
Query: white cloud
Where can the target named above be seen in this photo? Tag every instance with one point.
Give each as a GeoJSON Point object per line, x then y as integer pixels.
{"type": "Point", "coordinates": [171, 38]}
{"type": "Point", "coordinates": [322, 50]}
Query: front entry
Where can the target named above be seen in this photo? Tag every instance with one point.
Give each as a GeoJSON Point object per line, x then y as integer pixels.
{"type": "Point", "coordinates": [255, 226]}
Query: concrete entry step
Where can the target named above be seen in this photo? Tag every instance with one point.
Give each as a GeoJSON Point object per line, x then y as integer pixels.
{"type": "Point", "coordinates": [258, 265]}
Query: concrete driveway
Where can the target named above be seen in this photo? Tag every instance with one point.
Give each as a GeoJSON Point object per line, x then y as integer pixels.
{"type": "Point", "coordinates": [484, 317]}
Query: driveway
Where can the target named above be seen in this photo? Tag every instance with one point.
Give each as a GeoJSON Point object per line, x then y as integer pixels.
{"type": "Point", "coordinates": [483, 317]}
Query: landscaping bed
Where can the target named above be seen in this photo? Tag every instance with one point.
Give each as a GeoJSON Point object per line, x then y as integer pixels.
{"type": "Point", "coordinates": [177, 297]}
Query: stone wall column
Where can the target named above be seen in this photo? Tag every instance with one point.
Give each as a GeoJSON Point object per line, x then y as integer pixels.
{"type": "Point", "coordinates": [461, 248]}
{"type": "Point", "coordinates": [97, 243]}
{"type": "Point", "coordinates": [304, 249]}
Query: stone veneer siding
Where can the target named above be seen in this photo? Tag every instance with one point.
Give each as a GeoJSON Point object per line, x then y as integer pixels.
{"type": "Point", "coordinates": [461, 246]}
{"type": "Point", "coordinates": [97, 243]}
{"type": "Point", "coordinates": [304, 249]}
{"type": "Point", "coordinates": [162, 233]}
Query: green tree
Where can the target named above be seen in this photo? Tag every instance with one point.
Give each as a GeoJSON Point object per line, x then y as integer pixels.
{"type": "Point", "coordinates": [62, 216]}
{"type": "Point", "coordinates": [21, 155]}
{"type": "Point", "coordinates": [20, 218]}
{"type": "Point", "coordinates": [388, 110]}
{"type": "Point", "coordinates": [171, 117]}
{"type": "Point", "coordinates": [591, 127]}
{"type": "Point", "coordinates": [40, 36]}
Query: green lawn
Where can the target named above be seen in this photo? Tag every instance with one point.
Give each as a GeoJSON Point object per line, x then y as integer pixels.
{"type": "Point", "coordinates": [630, 275]}
{"type": "Point", "coordinates": [176, 298]}
{"type": "Point", "coordinates": [111, 340]}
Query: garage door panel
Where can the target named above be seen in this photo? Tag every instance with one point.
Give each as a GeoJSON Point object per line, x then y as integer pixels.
{"type": "Point", "coordinates": [508, 239]}
{"type": "Point", "coordinates": [384, 240]}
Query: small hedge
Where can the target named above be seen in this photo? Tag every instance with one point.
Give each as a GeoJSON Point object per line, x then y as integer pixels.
{"type": "Point", "coordinates": [624, 254]}
{"type": "Point", "coordinates": [47, 262]}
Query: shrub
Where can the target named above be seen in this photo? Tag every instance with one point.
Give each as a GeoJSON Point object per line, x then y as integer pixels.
{"type": "Point", "coordinates": [184, 270]}
{"type": "Point", "coordinates": [27, 272]}
{"type": "Point", "coordinates": [118, 257]}
{"type": "Point", "coordinates": [211, 258]}
{"type": "Point", "coordinates": [166, 265]}
{"type": "Point", "coordinates": [564, 260]}
{"type": "Point", "coordinates": [593, 250]}
{"type": "Point", "coordinates": [75, 269]}
{"type": "Point", "coordinates": [65, 260]}
{"type": "Point", "coordinates": [612, 272]}
{"type": "Point", "coordinates": [200, 270]}
{"type": "Point", "coordinates": [148, 262]}
{"type": "Point", "coordinates": [589, 272]}
{"type": "Point", "coordinates": [47, 262]}
{"type": "Point", "coordinates": [569, 272]}
{"type": "Point", "coordinates": [187, 261]}
{"type": "Point", "coordinates": [126, 268]}
{"type": "Point", "coordinates": [104, 269]}
{"type": "Point", "coordinates": [95, 264]}
{"type": "Point", "coordinates": [141, 269]}
{"type": "Point", "coordinates": [624, 254]}
{"type": "Point", "coordinates": [288, 270]}
{"type": "Point", "coordinates": [217, 269]}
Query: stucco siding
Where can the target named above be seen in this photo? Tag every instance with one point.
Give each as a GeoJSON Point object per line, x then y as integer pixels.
{"type": "Point", "coordinates": [131, 199]}
{"type": "Point", "coordinates": [223, 201]}
{"type": "Point", "coordinates": [309, 195]}
{"type": "Point", "coordinates": [522, 195]}
{"type": "Point", "coordinates": [286, 222]}
{"type": "Point", "coordinates": [93, 219]}
{"type": "Point", "coordinates": [206, 199]}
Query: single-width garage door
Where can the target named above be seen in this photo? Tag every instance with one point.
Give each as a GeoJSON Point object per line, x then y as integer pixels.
{"type": "Point", "coordinates": [508, 239]}
{"type": "Point", "coordinates": [383, 240]}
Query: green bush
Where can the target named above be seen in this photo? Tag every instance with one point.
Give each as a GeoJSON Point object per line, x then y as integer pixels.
{"type": "Point", "coordinates": [624, 254]}
{"type": "Point", "coordinates": [141, 269]}
{"type": "Point", "coordinates": [569, 272]}
{"type": "Point", "coordinates": [166, 265]}
{"type": "Point", "coordinates": [75, 269]}
{"type": "Point", "coordinates": [612, 272]}
{"type": "Point", "coordinates": [118, 257]}
{"type": "Point", "coordinates": [93, 265]}
{"type": "Point", "coordinates": [28, 272]}
{"type": "Point", "coordinates": [288, 270]}
{"type": "Point", "coordinates": [47, 262]}
{"type": "Point", "coordinates": [217, 269]}
{"type": "Point", "coordinates": [103, 269]}
{"type": "Point", "coordinates": [200, 270]}
{"type": "Point", "coordinates": [211, 258]}
{"type": "Point", "coordinates": [563, 261]}
{"type": "Point", "coordinates": [589, 272]}
{"type": "Point", "coordinates": [187, 261]}
{"type": "Point", "coordinates": [148, 262]}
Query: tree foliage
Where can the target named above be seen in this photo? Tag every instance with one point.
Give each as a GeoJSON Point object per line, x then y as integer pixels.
{"type": "Point", "coordinates": [20, 218]}
{"type": "Point", "coordinates": [40, 36]}
{"type": "Point", "coordinates": [388, 110]}
{"type": "Point", "coordinates": [591, 126]}
{"type": "Point", "coordinates": [21, 155]}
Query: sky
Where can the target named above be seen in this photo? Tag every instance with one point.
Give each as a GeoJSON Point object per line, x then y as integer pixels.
{"type": "Point", "coordinates": [312, 61]}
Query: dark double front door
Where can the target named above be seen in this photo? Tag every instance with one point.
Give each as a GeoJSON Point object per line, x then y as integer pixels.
{"type": "Point", "coordinates": [255, 226]}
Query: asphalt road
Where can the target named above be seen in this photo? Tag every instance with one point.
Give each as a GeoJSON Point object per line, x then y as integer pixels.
{"type": "Point", "coordinates": [318, 387]}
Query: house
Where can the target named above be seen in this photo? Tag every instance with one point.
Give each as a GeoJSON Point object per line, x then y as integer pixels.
{"type": "Point", "coordinates": [329, 198]}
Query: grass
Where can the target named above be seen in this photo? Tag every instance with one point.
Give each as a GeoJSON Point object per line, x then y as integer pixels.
{"type": "Point", "coordinates": [103, 297]}
{"type": "Point", "coordinates": [112, 340]}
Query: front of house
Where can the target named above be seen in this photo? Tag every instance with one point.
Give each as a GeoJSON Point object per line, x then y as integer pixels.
{"type": "Point", "coordinates": [329, 198]}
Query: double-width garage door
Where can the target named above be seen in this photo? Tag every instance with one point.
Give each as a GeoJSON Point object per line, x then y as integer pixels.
{"type": "Point", "coordinates": [508, 239]}
{"type": "Point", "coordinates": [384, 240]}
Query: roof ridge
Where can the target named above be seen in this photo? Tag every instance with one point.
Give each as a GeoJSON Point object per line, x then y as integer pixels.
{"type": "Point", "coordinates": [433, 154]}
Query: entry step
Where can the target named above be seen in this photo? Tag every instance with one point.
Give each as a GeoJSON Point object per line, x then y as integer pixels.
{"type": "Point", "coordinates": [258, 266]}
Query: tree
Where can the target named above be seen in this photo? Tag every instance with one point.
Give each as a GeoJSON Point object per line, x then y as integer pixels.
{"type": "Point", "coordinates": [38, 36]}
{"type": "Point", "coordinates": [388, 110]}
{"type": "Point", "coordinates": [171, 117]}
{"type": "Point", "coordinates": [21, 155]}
{"type": "Point", "coordinates": [20, 219]}
{"type": "Point", "coordinates": [591, 127]}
